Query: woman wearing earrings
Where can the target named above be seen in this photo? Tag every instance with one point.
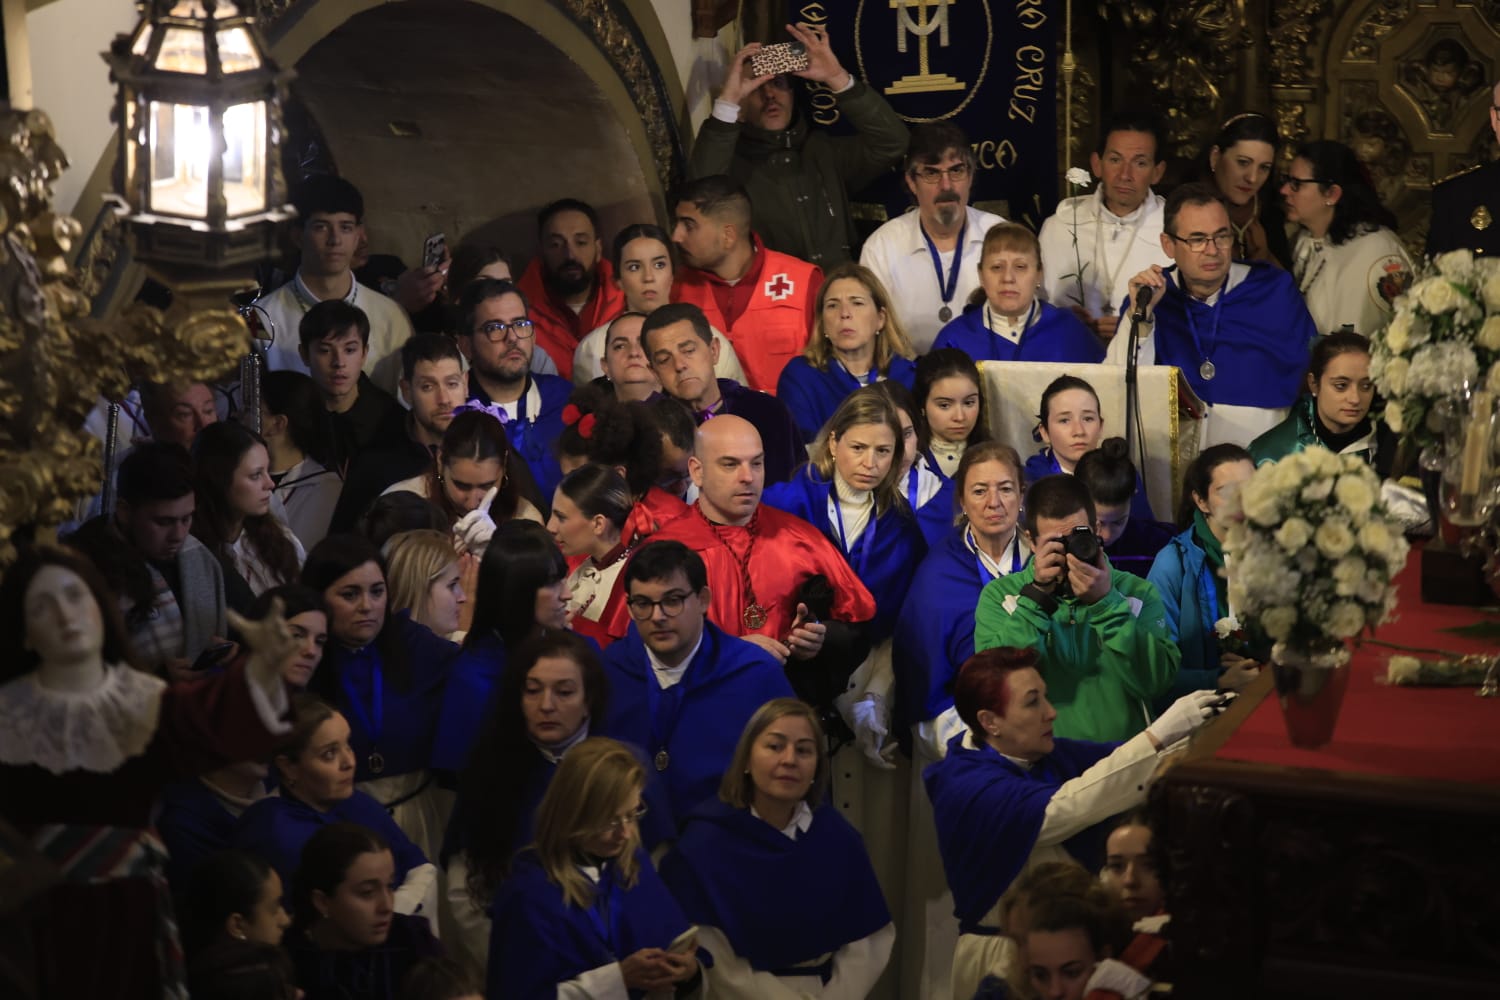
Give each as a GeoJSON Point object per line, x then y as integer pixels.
{"type": "Point", "coordinates": [857, 341]}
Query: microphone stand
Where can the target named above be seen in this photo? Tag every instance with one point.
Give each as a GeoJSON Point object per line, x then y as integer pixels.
{"type": "Point", "coordinates": [1135, 445]}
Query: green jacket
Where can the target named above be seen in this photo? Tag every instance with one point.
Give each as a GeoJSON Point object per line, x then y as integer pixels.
{"type": "Point", "coordinates": [799, 178]}
{"type": "Point", "coordinates": [1296, 433]}
{"type": "Point", "coordinates": [1103, 663]}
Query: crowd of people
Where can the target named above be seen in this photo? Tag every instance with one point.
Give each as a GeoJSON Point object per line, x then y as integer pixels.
{"type": "Point", "coordinates": [668, 620]}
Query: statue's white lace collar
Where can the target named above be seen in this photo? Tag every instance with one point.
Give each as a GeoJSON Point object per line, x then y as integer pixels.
{"type": "Point", "coordinates": [96, 730]}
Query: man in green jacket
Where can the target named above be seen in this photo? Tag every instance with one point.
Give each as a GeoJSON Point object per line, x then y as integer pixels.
{"type": "Point", "coordinates": [1101, 633]}
{"type": "Point", "coordinates": [799, 177]}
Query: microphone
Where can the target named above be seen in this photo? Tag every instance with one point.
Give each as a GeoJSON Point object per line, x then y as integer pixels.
{"type": "Point", "coordinates": [1142, 301]}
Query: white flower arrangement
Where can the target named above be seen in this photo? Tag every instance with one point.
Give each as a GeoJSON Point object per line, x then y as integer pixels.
{"type": "Point", "coordinates": [1445, 331]}
{"type": "Point", "coordinates": [1313, 551]}
{"type": "Point", "coordinates": [1079, 180]}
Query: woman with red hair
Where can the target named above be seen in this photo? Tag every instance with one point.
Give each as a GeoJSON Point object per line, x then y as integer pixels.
{"type": "Point", "coordinates": [1009, 795]}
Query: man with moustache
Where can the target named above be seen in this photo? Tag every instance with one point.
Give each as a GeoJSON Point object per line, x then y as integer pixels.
{"type": "Point", "coordinates": [496, 334]}
{"type": "Point", "coordinates": [763, 300]}
{"type": "Point", "coordinates": [1466, 206]}
{"type": "Point", "coordinates": [569, 286]}
{"type": "Point", "coordinates": [1238, 330]}
{"type": "Point", "coordinates": [1095, 243]}
{"type": "Point", "coordinates": [928, 258]}
{"type": "Point", "coordinates": [799, 177]}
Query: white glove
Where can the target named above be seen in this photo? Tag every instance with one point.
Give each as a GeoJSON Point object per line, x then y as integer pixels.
{"type": "Point", "coordinates": [872, 724]}
{"type": "Point", "coordinates": [476, 527]}
{"type": "Point", "coordinates": [1186, 714]}
{"type": "Point", "coordinates": [1115, 976]}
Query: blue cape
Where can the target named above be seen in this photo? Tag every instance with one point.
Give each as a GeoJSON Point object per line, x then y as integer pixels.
{"type": "Point", "coordinates": [1136, 548]}
{"type": "Point", "coordinates": [534, 438]}
{"type": "Point", "coordinates": [466, 703]}
{"type": "Point", "coordinates": [276, 829]}
{"type": "Point", "coordinates": [1057, 335]}
{"type": "Point", "coordinates": [779, 435]}
{"type": "Point", "coordinates": [813, 394]}
{"type": "Point", "coordinates": [410, 716]}
{"type": "Point", "coordinates": [885, 569]}
{"type": "Point", "coordinates": [935, 630]}
{"type": "Point", "coordinates": [935, 517]}
{"type": "Point", "coordinates": [722, 687]}
{"type": "Point", "coordinates": [538, 941]}
{"type": "Point", "coordinates": [194, 824]}
{"type": "Point", "coordinates": [779, 901]}
{"type": "Point", "coordinates": [1261, 346]}
{"type": "Point", "coordinates": [989, 812]}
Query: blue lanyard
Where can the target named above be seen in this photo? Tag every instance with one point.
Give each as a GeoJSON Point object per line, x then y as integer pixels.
{"type": "Point", "coordinates": [947, 286]}
{"type": "Point", "coordinates": [607, 922]}
{"type": "Point", "coordinates": [866, 541]}
{"type": "Point", "coordinates": [372, 722]}
{"type": "Point", "coordinates": [1187, 308]}
{"type": "Point", "coordinates": [871, 377]}
{"type": "Point", "coordinates": [664, 706]}
{"type": "Point", "coordinates": [911, 483]}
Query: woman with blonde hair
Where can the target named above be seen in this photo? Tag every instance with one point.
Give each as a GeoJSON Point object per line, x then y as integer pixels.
{"type": "Point", "coordinates": [857, 340]}
{"type": "Point", "coordinates": [426, 577]}
{"type": "Point", "coordinates": [583, 912]}
{"type": "Point", "coordinates": [1007, 321]}
{"type": "Point", "coordinates": [777, 881]}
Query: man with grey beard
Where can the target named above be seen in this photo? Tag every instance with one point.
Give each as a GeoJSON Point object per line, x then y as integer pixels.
{"type": "Point", "coordinates": [928, 258]}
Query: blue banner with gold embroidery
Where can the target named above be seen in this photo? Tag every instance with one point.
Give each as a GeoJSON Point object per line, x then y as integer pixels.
{"type": "Point", "coordinates": [988, 66]}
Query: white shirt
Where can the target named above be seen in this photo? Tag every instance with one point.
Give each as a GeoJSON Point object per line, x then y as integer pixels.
{"type": "Point", "coordinates": [1111, 250]}
{"type": "Point", "coordinates": [854, 509]}
{"type": "Point", "coordinates": [802, 818]}
{"type": "Point", "coordinates": [897, 253]}
{"type": "Point", "coordinates": [389, 329]}
{"type": "Point", "coordinates": [592, 586]}
{"type": "Point", "coordinates": [667, 676]}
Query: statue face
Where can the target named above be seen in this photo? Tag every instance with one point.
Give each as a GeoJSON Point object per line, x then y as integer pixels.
{"type": "Point", "coordinates": [63, 622]}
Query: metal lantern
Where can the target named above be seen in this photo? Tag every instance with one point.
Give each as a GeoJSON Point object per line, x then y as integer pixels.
{"type": "Point", "coordinates": [199, 116]}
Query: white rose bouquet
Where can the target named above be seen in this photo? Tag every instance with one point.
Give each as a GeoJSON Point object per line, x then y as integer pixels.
{"type": "Point", "coordinates": [1313, 551]}
{"type": "Point", "coordinates": [1445, 331]}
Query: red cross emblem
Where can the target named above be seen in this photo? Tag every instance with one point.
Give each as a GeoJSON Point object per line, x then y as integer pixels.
{"type": "Point", "coordinates": [779, 287]}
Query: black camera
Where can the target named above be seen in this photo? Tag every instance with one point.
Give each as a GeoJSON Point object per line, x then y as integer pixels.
{"type": "Point", "coordinates": [1081, 543]}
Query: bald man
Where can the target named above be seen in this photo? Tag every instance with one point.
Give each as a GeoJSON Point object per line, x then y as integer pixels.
{"type": "Point", "coordinates": [759, 560]}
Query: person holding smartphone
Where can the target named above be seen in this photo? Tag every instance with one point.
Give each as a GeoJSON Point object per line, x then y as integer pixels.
{"type": "Point", "coordinates": [1101, 634]}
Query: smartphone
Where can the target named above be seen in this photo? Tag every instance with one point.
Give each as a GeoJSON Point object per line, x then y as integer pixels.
{"type": "Point", "coordinates": [779, 57]}
{"type": "Point", "coordinates": [685, 943]}
{"type": "Point", "coordinates": [434, 249]}
{"type": "Point", "coordinates": [212, 656]}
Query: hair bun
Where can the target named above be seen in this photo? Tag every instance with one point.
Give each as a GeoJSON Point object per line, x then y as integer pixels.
{"type": "Point", "coordinates": [1114, 448]}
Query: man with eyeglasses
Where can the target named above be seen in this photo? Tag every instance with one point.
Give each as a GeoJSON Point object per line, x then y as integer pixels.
{"type": "Point", "coordinates": [798, 176]}
{"type": "Point", "coordinates": [679, 686]}
{"type": "Point", "coordinates": [1239, 330]}
{"type": "Point", "coordinates": [1466, 205]}
{"type": "Point", "coordinates": [496, 335]}
{"type": "Point", "coordinates": [1095, 243]}
{"type": "Point", "coordinates": [928, 258]}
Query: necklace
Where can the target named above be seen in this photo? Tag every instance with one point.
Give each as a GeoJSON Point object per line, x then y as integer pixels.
{"type": "Point", "coordinates": [1242, 233]}
{"type": "Point", "coordinates": [1101, 259]}
{"type": "Point", "coordinates": [754, 616]}
{"type": "Point", "coordinates": [1315, 249]}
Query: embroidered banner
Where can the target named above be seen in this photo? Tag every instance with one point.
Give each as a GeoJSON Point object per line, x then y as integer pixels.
{"type": "Point", "coordinates": [988, 66]}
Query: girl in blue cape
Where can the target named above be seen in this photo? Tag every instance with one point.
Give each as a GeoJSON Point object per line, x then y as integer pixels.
{"type": "Point", "coordinates": [778, 883]}
{"type": "Point", "coordinates": [857, 340]}
{"type": "Point", "coordinates": [950, 414]}
{"type": "Point", "coordinates": [1005, 320]}
{"type": "Point", "coordinates": [582, 911]}
{"type": "Point", "coordinates": [385, 674]}
{"type": "Point", "coordinates": [548, 697]}
{"type": "Point", "coordinates": [316, 768]}
{"type": "Point", "coordinates": [1070, 423]}
{"type": "Point", "coordinates": [1009, 795]}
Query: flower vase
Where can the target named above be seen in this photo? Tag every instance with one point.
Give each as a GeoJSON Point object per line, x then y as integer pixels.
{"type": "Point", "coordinates": [1310, 683]}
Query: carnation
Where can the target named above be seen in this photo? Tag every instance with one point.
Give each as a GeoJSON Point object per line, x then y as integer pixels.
{"type": "Point", "coordinates": [1317, 491]}
{"type": "Point", "coordinates": [1079, 177]}
{"type": "Point", "coordinates": [1279, 621]}
{"type": "Point", "coordinates": [1345, 619]}
{"type": "Point", "coordinates": [1439, 368]}
{"type": "Point", "coordinates": [1333, 538]}
{"type": "Point", "coordinates": [1375, 539]}
{"type": "Point", "coordinates": [1348, 573]}
{"type": "Point", "coordinates": [1226, 626]}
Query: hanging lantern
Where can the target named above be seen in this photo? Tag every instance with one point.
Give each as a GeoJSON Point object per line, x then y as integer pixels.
{"type": "Point", "coordinates": [199, 113]}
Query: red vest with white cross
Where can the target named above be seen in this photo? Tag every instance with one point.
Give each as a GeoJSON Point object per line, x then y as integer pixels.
{"type": "Point", "coordinates": [773, 328]}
